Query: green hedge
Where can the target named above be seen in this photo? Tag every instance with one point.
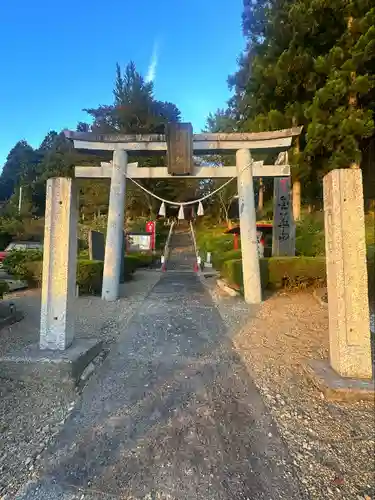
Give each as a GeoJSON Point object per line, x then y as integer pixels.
{"type": "Point", "coordinates": [4, 288]}
{"type": "Point", "coordinates": [17, 262]}
{"type": "Point", "coordinates": [90, 276]}
{"type": "Point", "coordinates": [232, 271]}
{"type": "Point", "coordinates": [279, 271]}
{"type": "Point", "coordinates": [310, 238]}
{"type": "Point", "coordinates": [294, 270]}
{"type": "Point", "coordinates": [211, 241]}
{"type": "Point", "coordinates": [89, 272]}
{"type": "Point", "coordinates": [218, 258]}
{"type": "Point", "coordinates": [33, 273]}
{"type": "Point", "coordinates": [135, 260]}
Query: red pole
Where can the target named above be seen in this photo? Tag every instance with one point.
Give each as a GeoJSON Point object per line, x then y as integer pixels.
{"type": "Point", "coordinates": [235, 241]}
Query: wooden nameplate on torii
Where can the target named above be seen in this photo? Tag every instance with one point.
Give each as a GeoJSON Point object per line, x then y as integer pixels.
{"type": "Point", "coordinates": [179, 137]}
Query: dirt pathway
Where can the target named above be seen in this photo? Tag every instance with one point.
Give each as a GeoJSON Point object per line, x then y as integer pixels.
{"type": "Point", "coordinates": [172, 414]}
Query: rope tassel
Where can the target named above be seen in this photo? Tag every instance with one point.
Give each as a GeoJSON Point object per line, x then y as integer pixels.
{"type": "Point", "coordinates": [200, 209]}
{"type": "Point", "coordinates": [181, 214]}
{"type": "Point", "coordinates": [162, 211]}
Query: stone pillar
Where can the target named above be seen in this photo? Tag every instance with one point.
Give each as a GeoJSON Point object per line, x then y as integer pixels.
{"type": "Point", "coordinates": [114, 241]}
{"type": "Point", "coordinates": [349, 323]}
{"type": "Point", "coordinates": [284, 229]}
{"type": "Point", "coordinates": [59, 265]}
{"type": "Point", "coordinates": [208, 262]}
{"type": "Point", "coordinates": [249, 243]}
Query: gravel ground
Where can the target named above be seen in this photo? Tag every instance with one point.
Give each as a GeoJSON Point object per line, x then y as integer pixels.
{"type": "Point", "coordinates": [29, 419]}
{"type": "Point", "coordinates": [332, 444]}
{"type": "Point", "coordinates": [172, 411]}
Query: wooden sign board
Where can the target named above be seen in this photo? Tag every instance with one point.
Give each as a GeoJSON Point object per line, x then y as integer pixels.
{"type": "Point", "coordinates": [179, 138]}
{"type": "Point", "coordinates": [139, 242]}
{"type": "Point", "coordinates": [284, 230]}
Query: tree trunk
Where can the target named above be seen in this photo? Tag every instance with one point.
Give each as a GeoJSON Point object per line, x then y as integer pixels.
{"type": "Point", "coordinates": [227, 221]}
{"type": "Point", "coordinates": [296, 200]}
{"type": "Point", "coordinates": [296, 189]}
{"type": "Point", "coordinates": [353, 99]}
{"type": "Point", "coordinates": [260, 196]}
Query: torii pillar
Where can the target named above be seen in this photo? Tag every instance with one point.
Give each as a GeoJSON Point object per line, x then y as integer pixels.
{"type": "Point", "coordinates": [249, 244]}
{"type": "Point", "coordinates": [115, 227]}
{"type": "Point", "coordinates": [180, 144]}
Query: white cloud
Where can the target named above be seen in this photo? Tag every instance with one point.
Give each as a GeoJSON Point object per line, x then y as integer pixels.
{"type": "Point", "coordinates": [151, 72]}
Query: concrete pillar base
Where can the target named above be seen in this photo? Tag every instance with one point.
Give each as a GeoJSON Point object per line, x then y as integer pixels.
{"type": "Point", "coordinates": [337, 388]}
{"type": "Point", "coordinates": [50, 368]}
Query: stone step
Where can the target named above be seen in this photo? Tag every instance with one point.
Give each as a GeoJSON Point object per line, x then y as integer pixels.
{"type": "Point", "coordinates": [182, 255]}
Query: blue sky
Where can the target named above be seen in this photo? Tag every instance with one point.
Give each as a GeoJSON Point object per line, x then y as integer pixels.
{"type": "Point", "coordinates": [59, 57]}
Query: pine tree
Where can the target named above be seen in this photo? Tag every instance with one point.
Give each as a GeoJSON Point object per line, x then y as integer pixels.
{"type": "Point", "coordinates": [134, 110]}
{"type": "Point", "coordinates": [340, 119]}
{"type": "Point", "coordinates": [20, 167]}
{"type": "Point", "coordinates": [310, 63]}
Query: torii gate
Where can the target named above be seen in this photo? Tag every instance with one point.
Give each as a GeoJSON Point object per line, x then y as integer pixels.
{"type": "Point", "coordinates": [180, 144]}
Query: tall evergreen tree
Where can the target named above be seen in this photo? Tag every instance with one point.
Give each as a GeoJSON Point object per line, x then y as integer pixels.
{"type": "Point", "coordinates": [310, 63]}
{"type": "Point", "coordinates": [134, 110]}
{"type": "Point", "coordinates": [20, 168]}
{"type": "Point", "coordinates": [340, 115]}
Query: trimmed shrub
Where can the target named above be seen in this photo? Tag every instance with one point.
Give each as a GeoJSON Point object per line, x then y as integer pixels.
{"type": "Point", "coordinates": [310, 238]}
{"type": "Point", "coordinates": [134, 261]}
{"type": "Point", "coordinates": [131, 264]}
{"type": "Point", "coordinates": [218, 258]}
{"type": "Point", "coordinates": [279, 272]}
{"type": "Point", "coordinates": [84, 254]}
{"type": "Point", "coordinates": [215, 240]}
{"type": "Point", "coordinates": [89, 272]}
{"type": "Point", "coordinates": [4, 288]}
{"type": "Point", "coordinates": [232, 271]}
{"type": "Point", "coordinates": [34, 273]}
{"type": "Point", "coordinates": [143, 259]}
{"type": "Point", "coordinates": [5, 238]}
{"type": "Point", "coordinates": [90, 276]}
{"type": "Point", "coordinates": [16, 263]}
{"type": "Point", "coordinates": [296, 271]}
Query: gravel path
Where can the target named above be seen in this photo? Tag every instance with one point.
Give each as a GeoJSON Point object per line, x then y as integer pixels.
{"type": "Point", "coordinates": [172, 414]}
{"type": "Point", "coordinates": [332, 444]}
{"type": "Point", "coordinates": [30, 419]}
